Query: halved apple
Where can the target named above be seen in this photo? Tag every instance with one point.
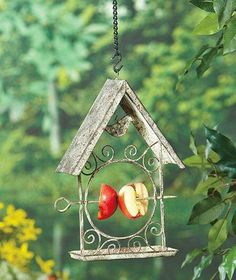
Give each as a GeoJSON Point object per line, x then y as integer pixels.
{"type": "Point", "coordinates": [131, 200]}
{"type": "Point", "coordinates": [107, 202]}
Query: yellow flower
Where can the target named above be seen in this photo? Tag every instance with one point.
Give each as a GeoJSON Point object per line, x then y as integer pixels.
{"type": "Point", "coordinates": [28, 231]}
{"type": "Point", "coordinates": [1, 205]}
{"type": "Point", "coordinates": [14, 217]}
{"type": "Point", "coordinates": [25, 253]}
{"type": "Point", "coordinates": [16, 256]}
{"type": "Point", "coordinates": [16, 229]}
{"type": "Point", "coordinates": [5, 228]}
{"type": "Point", "coordinates": [45, 266]}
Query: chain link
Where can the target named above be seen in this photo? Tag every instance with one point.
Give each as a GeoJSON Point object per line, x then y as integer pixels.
{"type": "Point", "coordinates": [117, 57]}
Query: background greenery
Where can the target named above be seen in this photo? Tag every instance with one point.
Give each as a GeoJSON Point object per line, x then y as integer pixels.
{"type": "Point", "coordinates": [55, 57]}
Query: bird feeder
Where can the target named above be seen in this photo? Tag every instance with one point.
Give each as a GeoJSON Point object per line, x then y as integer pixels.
{"type": "Point", "coordinates": [81, 160]}
{"type": "Point", "coordinates": [78, 159]}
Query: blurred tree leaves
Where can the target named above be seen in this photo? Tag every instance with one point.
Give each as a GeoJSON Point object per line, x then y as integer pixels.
{"type": "Point", "coordinates": [71, 43]}
{"type": "Point", "coordinates": [220, 19]}
{"type": "Point", "coordinates": [204, 263]}
{"type": "Point", "coordinates": [217, 209]}
{"type": "Point", "coordinates": [41, 42]}
{"type": "Point", "coordinates": [191, 256]}
{"type": "Point", "coordinates": [224, 10]}
{"type": "Point", "coordinates": [228, 266]}
{"type": "Point", "coordinates": [206, 5]}
{"type": "Point", "coordinates": [225, 149]}
{"type": "Point", "coordinates": [208, 26]}
{"type": "Point", "coordinates": [206, 211]}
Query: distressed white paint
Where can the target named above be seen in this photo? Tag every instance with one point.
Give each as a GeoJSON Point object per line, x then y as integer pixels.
{"type": "Point", "coordinates": [113, 93]}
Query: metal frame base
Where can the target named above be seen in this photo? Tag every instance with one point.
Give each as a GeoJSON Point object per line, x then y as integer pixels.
{"type": "Point", "coordinates": [124, 253]}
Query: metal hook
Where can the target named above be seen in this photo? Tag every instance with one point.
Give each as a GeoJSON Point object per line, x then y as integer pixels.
{"type": "Point", "coordinates": [70, 203]}
{"type": "Point", "coordinates": [65, 200]}
{"type": "Point", "coordinates": [117, 58]}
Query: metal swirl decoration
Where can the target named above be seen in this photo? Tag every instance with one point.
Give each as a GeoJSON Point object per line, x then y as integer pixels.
{"type": "Point", "coordinates": [130, 152]}
{"type": "Point", "coordinates": [151, 164]}
{"type": "Point", "coordinates": [108, 152]}
{"type": "Point", "coordinates": [154, 229]}
{"type": "Point", "coordinates": [135, 245]}
{"type": "Point", "coordinates": [91, 165]}
{"type": "Point", "coordinates": [90, 237]}
{"type": "Point", "coordinates": [112, 248]}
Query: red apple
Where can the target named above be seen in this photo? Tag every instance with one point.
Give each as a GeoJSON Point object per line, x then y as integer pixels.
{"type": "Point", "coordinates": [107, 202]}
{"type": "Point", "coordinates": [132, 202]}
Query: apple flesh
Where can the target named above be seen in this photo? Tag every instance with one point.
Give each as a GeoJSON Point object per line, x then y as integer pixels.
{"type": "Point", "coordinates": [131, 200]}
{"type": "Point", "coordinates": [107, 202]}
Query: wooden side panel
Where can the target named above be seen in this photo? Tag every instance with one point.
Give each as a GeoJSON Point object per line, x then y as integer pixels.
{"type": "Point", "coordinates": [92, 127]}
{"type": "Point", "coordinates": [148, 129]}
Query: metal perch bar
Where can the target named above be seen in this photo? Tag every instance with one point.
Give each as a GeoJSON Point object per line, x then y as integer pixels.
{"type": "Point", "coordinates": [70, 203]}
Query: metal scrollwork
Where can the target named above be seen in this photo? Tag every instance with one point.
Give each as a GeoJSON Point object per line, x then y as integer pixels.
{"type": "Point", "coordinates": [154, 228]}
{"type": "Point", "coordinates": [139, 242]}
{"type": "Point", "coordinates": [92, 164]}
{"type": "Point", "coordinates": [151, 164]}
{"type": "Point", "coordinates": [130, 152]}
{"type": "Point", "coordinates": [111, 246]}
{"type": "Point", "coordinates": [90, 237]}
{"type": "Point", "coordinates": [135, 243]}
{"type": "Point", "coordinates": [108, 152]}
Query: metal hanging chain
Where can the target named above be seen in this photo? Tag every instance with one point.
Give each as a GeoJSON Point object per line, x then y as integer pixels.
{"type": "Point", "coordinates": [117, 57]}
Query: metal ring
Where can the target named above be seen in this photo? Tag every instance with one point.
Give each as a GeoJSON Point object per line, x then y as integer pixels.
{"type": "Point", "coordinates": [154, 200]}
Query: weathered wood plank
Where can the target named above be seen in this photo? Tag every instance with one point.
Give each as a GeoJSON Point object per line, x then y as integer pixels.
{"type": "Point", "coordinates": [113, 93]}
{"type": "Point", "coordinates": [92, 127]}
{"type": "Point", "coordinates": [148, 129]}
{"type": "Point", "coordinates": [125, 253]}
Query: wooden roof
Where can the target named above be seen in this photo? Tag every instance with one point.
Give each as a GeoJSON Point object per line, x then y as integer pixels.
{"type": "Point", "coordinates": [113, 93]}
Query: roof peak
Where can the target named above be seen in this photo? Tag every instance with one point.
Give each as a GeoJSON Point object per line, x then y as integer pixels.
{"type": "Point", "coordinates": [115, 92]}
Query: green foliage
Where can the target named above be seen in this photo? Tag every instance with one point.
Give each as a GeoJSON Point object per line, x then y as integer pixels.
{"type": "Point", "coordinates": [208, 26]}
{"type": "Point", "coordinates": [229, 36]}
{"type": "Point", "coordinates": [191, 256]}
{"type": "Point", "coordinates": [207, 210]}
{"type": "Point", "coordinates": [220, 20]}
{"type": "Point", "coordinates": [210, 182]}
{"type": "Point", "coordinates": [224, 10]}
{"type": "Point", "coordinates": [206, 5]}
{"type": "Point", "coordinates": [204, 263]}
{"type": "Point", "coordinates": [217, 235]}
{"type": "Point", "coordinates": [228, 265]}
{"type": "Point", "coordinates": [225, 149]}
{"type": "Point", "coordinates": [218, 208]}
{"type": "Point", "coordinates": [233, 222]}
{"type": "Point", "coordinates": [66, 46]}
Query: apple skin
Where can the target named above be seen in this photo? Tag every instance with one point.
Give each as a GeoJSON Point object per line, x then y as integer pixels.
{"type": "Point", "coordinates": [135, 190]}
{"type": "Point", "coordinates": [107, 202]}
{"type": "Point", "coordinates": [123, 208]}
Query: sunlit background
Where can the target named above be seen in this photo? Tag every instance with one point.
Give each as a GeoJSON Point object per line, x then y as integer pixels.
{"type": "Point", "coordinates": [55, 57]}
